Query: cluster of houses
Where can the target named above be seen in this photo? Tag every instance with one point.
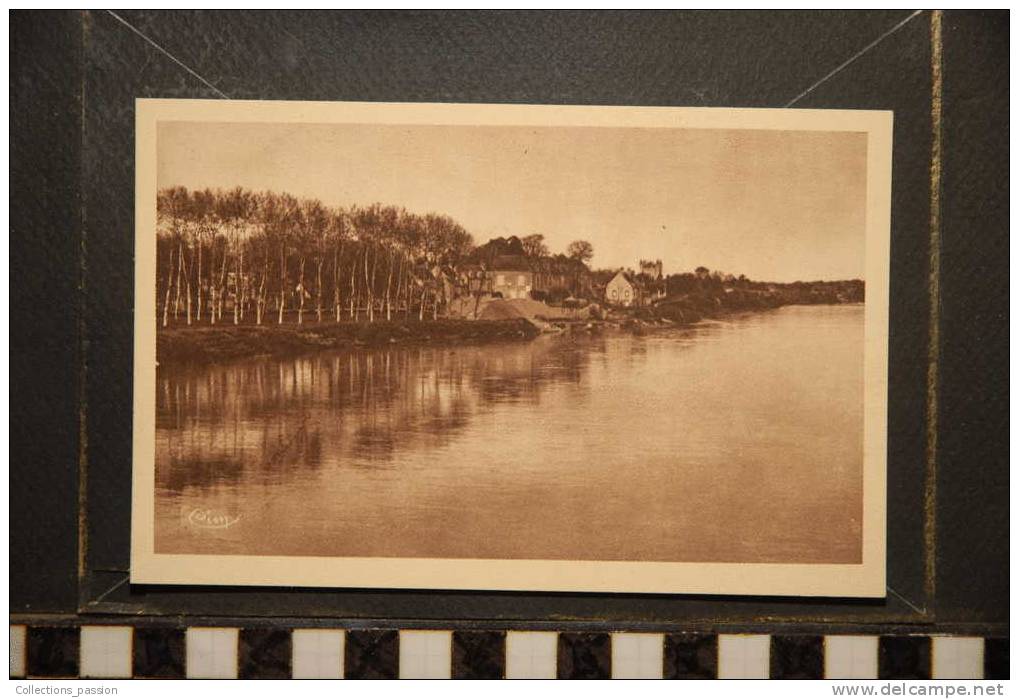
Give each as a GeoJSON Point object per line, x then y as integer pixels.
{"type": "Point", "coordinates": [521, 277]}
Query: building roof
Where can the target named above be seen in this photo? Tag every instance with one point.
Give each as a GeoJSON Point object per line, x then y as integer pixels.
{"type": "Point", "coordinates": [625, 275]}
{"type": "Point", "coordinates": [510, 263]}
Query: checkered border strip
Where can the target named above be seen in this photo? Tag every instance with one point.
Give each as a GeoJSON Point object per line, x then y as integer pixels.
{"type": "Point", "coordinates": [271, 653]}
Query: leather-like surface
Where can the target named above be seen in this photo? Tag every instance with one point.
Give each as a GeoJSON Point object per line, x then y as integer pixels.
{"type": "Point", "coordinates": [159, 653]}
{"type": "Point", "coordinates": [904, 658]}
{"type": "Point", "coordinates": [691, 657]}
{"type": "Point", "coordinates": [972, 522]}
{"type": "Point", "coordinates": [46, 64]}
{"type": "Point", "coordinates": [263, 654]}
{"type": "Point", "coordinates": [479, 655]}
{"type": "Point", "coordinates": [372, 655]}
{"type": "Point", "coordinates": [797, 657]}
{"type": "Point", "coordinates": [584, 656]}
{"type": "Point", "coordinates": [52, 651]}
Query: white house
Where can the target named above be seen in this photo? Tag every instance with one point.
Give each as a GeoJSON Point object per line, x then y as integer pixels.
{"type": "Point", "coordinates": [622, 290]}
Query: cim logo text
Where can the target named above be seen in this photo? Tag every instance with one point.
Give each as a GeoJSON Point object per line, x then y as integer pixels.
{"type": "Point", "coordinates": [205, 518]}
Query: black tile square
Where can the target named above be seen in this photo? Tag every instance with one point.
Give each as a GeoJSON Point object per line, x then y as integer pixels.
{"type": "Point", "coordinates": [797, 657]}
{"type": "Point", "coordinates": [479, 655]}
{"type": "Point", "coordinates": [584, 656]}
{"type": "Point", "coordinates": [904, 658]}
{"type": "Point", "coordinates": [996, 659]}
{"type": "Point", "coordinates": [263, 654]}
{"type": "Point", "coordinates": [372, 655]}
{"type": "Point", "coordinates": [158, 653]}
{"type": "Point", "coordinates": [52, 651]}
{"type": "Point", "coordinates": [691, 656]}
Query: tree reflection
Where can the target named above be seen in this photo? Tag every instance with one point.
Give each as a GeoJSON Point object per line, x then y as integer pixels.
{"type": "Point", "coordinates": [262, 419]}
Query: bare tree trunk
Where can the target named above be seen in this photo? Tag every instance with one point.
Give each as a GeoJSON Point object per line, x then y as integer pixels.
{"type": "Point", "coordinates": [180, 271]}
{"type": "Point", "coordinates": [242, 281]}
{"type": "Point", "coordinates": [221, 294]}
{"type": "Point", "coordinates": [336, 282]}
{"type": "Point", "coordinates": [283, 284]}
{"type": "Point", "coordinates": [399, 283]}
{"type": "Point", "coordinates": [353, 287]}
{"type": "Point", "coordinates": [318, 285]}
{"type": "Point", "coordinates": [198, 315]}
{"type": "Point", "coordinates": [375, 264]}
{"type": "Point", "coordinates": [212, 280]}
{"type": "Point", "coordinates": [368, 290]}
{"type": "Point", "coordinates": [300, 294]}
{"type": "Point", "coordinates": [169, 285]}
{"type": "Point", "coordinates": [187, 280]}
{"type": "Point", "coordinates": [421, 310]}
{"type": "Point", "coordinates": [237, 290]}
{"type": "Point", "coordinates": [260, 301]}
{"type": "Point", "coordinates": [410, 294]}
{"type": "Point", "coordinates": [389, 284]}
{"type": "Point", "coordinates": [214, 290]}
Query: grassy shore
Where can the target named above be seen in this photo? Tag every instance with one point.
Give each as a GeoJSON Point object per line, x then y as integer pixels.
{"type": "Point", "coordinates": [211, 343]}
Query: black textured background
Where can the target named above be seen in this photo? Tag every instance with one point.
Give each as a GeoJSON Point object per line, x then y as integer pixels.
{"type": "Point", "coordinates": [74, 78]}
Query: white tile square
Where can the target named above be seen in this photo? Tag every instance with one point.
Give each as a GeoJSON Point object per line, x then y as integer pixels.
{"type": "Point", "coordinates": [106, 651]}
{"type": "Point", "coordinates": [744, 657]}
{"type": "Point", "coordinates": [531, 655]}
{"type": "Point", "coordinates": [317, 654]}
{"type": "Point", "coordinates": [211, 653]}
{"type": "Point", "coordinates": [850, 657]}
{"type": "Point", "coordinates": [957, 658]}
{"type": "Point", "coordinates": [18, 633]}
{"type": "Point", "coordinates": [637, 656]}
{"type": "Point", "coordinates": [426, 655]}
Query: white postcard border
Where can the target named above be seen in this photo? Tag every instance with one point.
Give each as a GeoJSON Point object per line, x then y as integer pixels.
{"type": "Point", "coordinates": [863, 580]}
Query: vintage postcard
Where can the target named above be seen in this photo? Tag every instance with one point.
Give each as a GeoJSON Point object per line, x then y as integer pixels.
{"type": "Point", "coordinates": [551, 348]}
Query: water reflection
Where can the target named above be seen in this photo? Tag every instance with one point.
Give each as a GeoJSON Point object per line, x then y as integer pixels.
{"type": "Point", "coordinates": [256, 419]}
{"type": "Point", "coordinates": [736, 440]}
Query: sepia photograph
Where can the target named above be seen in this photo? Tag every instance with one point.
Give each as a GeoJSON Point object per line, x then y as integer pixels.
{"type": "Point", "coordinates": [612, 349]}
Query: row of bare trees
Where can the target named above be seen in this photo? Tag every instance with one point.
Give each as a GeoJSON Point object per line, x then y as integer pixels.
{"type": "Point", "coordinates": [262, 255]}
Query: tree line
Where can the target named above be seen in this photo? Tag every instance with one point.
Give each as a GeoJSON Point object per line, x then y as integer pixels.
{"type": "Point", "coordinates": [240, 256]}
{"type": "Point", "coordinates": [265, 254]}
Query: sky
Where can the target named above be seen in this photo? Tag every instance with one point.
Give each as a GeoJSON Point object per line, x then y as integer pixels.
{"type": "Point", "coordinates": [773, 205]}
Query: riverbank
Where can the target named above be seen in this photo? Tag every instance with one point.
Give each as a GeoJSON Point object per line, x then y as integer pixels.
{"type": "Point", "coordinates": [691, 308]}
{"type": "Point", "coordinates": [211, 343]}
{"type": "Point", "coordinates": [507, 320]}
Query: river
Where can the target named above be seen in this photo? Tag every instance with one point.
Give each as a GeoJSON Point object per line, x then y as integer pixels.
{"type": "Point", "coordinates": [738, 440]}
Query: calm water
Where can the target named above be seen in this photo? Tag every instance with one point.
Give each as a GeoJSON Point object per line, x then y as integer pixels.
{"type": "Point", "coordinates": [738, 440]}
